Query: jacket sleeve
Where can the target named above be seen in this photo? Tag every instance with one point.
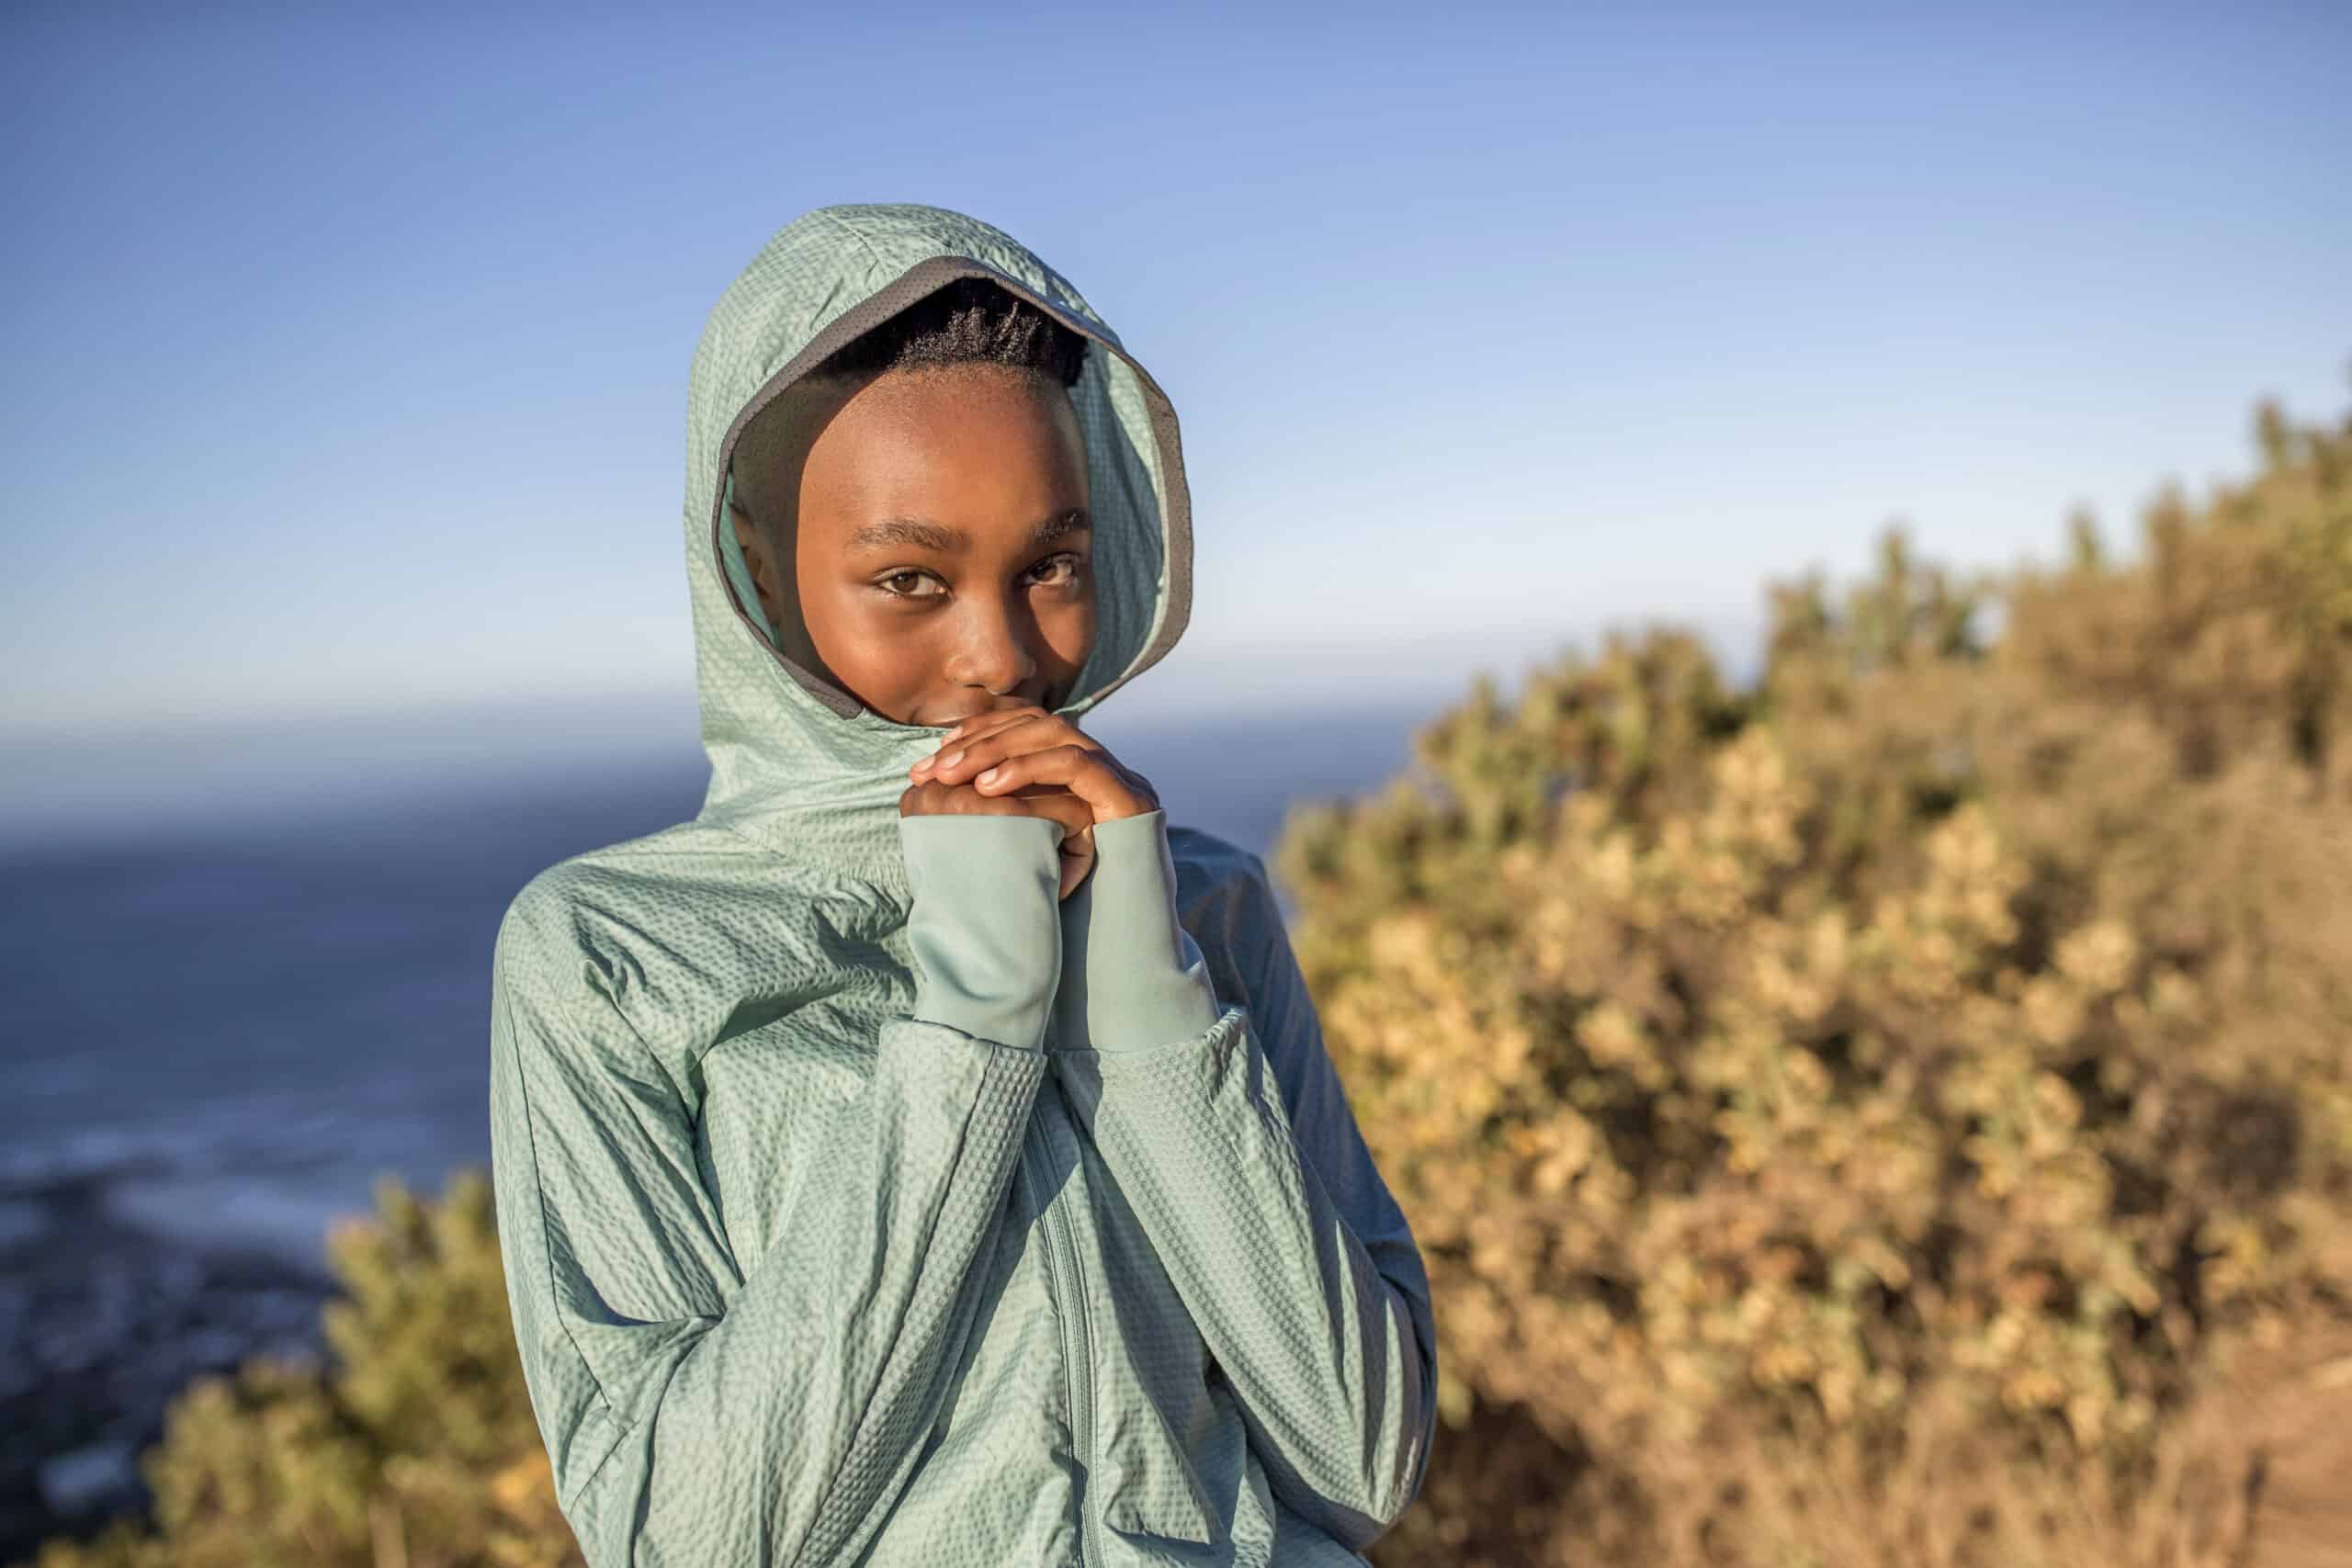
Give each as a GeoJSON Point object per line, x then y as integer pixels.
{"type": "Point", "coordinates": [699, 1414]}
{"type": "Point", "coordinates": [1226, 1128]}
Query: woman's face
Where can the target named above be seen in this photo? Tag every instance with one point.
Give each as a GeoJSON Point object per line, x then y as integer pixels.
{"type": "Point", "coordinates": [942, 552]}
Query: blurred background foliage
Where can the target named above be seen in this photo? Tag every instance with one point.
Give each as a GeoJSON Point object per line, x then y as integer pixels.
{"type": "Point", "coordinates": [1860, 1117]}
{"type": "Point", "coordinates": [1898, 1110]}
{"type": "Point", "coordinates": [412, 1446]}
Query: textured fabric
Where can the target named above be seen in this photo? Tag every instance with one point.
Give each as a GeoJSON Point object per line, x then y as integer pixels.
{"type": "Point", "coordinates": [1131, 977]}
{"type": "Point", "coordinates": [984, 927]}
{"type": "Point", "coordinates": [806, 1265]}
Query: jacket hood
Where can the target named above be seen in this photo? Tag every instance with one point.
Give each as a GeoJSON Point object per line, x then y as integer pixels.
{"type": "Point", "coordinates": [796, 764]}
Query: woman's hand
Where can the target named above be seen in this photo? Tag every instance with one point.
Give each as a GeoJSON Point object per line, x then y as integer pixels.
{"type": "Point", "coordinates": [1032, 756]}
{"type": "Point", "coordinates": [1001, 753]}
{"type": "Point", "coordinates": [1054, 804]}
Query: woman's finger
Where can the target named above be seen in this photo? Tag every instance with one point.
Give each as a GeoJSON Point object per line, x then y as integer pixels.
{"type": "Point", "coordinates": [1077, 819]}
{"type": "Point", "coordinates": [982, 723]}
{"type": "Point", "coordinates": [1078, 858]}
{"type": "Point", "coordinates": [959, 761]}
{"type": "Point", "coordinates": [951, 743]}
{"type": "Point", "coordinates": [1091, 775]}
{"type": "Point", "coordinates": [1052, 801]}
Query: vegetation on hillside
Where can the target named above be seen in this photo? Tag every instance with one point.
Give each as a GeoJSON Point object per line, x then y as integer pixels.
{"type": "Point", "coordinates": [1859, 1118]}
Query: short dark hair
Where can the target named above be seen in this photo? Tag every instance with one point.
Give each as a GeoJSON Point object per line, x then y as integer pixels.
{"type": "Point", "coordinates": [969, 321]}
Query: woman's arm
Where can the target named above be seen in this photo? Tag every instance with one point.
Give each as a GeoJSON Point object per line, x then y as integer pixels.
{"type": "Point", "coordinates": [697, 1413]}
{"type": "Point", "coordinates": [1230, 1135]}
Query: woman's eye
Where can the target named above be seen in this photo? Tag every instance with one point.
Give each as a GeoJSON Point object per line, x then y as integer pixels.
{"type": "Point", "coordinates": [890, 584]}
{"type": "Point", "coordinates": [1058, 568]}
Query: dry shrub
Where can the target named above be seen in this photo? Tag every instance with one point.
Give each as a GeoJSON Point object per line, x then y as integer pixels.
{"type": "Point", "coordinates": [1853, 1120]}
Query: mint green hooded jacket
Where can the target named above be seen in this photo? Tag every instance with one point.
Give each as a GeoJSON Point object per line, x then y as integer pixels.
{"type": "Point", "coordinates": [861, 1201]}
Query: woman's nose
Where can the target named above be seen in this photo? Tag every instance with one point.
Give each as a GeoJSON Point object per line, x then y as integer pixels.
{"type": "Point", "coordinates": [994, 650]}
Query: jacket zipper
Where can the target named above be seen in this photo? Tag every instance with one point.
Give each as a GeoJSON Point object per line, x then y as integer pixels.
{"type": "Point", "coordinates": [1061, 1265]}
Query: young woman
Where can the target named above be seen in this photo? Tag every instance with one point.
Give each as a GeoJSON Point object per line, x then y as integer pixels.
{"type": "Point", "coordinates": [926, 1156]}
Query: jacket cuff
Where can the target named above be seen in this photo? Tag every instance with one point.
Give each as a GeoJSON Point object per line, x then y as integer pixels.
{"type": "Point", "coordinates": [1132, 976]}
{"type": "Point", "coordinates": [984, 927]}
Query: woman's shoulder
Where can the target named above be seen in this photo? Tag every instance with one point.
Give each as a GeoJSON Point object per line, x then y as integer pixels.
{"type": "Point", "coordinates": [686, 906]}
{"type": "Point", "coordinates": [621, 881]}
{"type": "Point", "coordinates": [657, 942]}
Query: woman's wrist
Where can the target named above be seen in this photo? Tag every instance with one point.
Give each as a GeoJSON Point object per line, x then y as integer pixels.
{"type": "Point", "coordinates": [1132, 976]}
{"type": "Point", "coordinates": [985, 924]}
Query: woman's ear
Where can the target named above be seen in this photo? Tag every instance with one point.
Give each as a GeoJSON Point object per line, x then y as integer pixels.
{"type": "Point", "coordinates": [759, 562]}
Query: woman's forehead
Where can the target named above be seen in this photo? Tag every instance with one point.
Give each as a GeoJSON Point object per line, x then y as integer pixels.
{"type": "Point", "coordinates": [931, 454]}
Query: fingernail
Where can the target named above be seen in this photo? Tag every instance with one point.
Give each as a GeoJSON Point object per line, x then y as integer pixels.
{"type": "Point", "coordinates": [989, 777]}
{"type": "Point", "coordinates": [950, 760]}
{"type": "Point", "coordinates": [920, 768]}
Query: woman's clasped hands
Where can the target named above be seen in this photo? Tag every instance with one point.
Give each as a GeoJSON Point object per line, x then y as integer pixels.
{"type": "Point", "coordinates": [1026, 761]}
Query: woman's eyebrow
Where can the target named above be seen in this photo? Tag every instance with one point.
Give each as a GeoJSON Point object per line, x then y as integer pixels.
{"type": "Point", "coordinates": [1074, 521]}
{"type": "Point", "coordinates": [923, 533]}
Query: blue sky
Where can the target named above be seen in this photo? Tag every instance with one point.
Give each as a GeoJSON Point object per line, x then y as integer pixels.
{"type": "Point", "coordinates": [347, 346]}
